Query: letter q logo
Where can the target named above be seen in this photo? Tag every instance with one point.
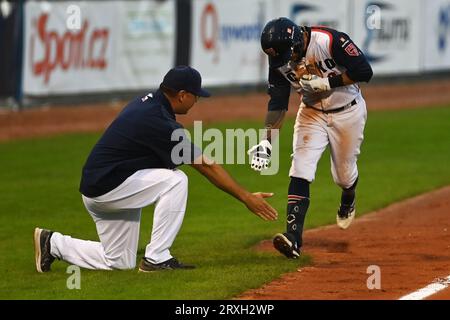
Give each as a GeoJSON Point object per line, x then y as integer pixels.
{"type": "Point", "coordinates": [209, 23]}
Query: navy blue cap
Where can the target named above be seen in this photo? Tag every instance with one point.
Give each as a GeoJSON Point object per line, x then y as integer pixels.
{"type": "Point", "coordinates": [185, 78]}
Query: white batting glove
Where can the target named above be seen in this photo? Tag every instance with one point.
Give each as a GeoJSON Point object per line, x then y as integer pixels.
{"type": "Point", "coordinates": [314, 84]}
{"type": "Point", "coordinates": [261, 155]}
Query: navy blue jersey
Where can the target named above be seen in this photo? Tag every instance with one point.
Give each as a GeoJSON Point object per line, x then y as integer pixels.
{"type": "Point", "coordinates": [331, 53]}
{"type": "Point", "coordinates": [139, 138]}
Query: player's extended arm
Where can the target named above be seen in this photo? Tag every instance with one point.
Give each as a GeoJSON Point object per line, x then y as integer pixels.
{"type": "Point", "coordinates": [279, 90]}
{"type": "Point", "coordinates": [218, 176]}
{"type": "Point", "coordinates": [274, 120]}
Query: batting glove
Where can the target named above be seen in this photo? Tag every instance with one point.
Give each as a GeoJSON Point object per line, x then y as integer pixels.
{"type": "Point", "coordinates": [313, 84]}
{"type": "Point", "coordinates": [261, 155]}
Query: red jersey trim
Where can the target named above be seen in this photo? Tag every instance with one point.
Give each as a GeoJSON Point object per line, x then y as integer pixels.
{"type": "Point", "coordinates": [328, 34]}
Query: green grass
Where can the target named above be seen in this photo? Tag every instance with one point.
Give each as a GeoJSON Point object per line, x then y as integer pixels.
{"type": "Point", "coordinates": [405, 153]}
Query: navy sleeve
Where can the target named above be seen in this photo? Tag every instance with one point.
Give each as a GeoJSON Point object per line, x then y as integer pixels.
{"type": "Point", "coordinates": [347, 54]}
{"type": "Point", "coordinates": [279, 91]}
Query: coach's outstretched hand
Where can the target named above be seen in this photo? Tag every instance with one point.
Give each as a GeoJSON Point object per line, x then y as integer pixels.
{"type": "Point", "coordinates": [255, 202]}
{"type": "Point", "coordinates": [221, 179]}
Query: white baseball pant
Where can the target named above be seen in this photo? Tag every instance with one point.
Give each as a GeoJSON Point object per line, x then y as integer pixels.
{"type": "Point", "coordinates": [117, 216]}
{"type": "Point", "coordinates": [343, 131]}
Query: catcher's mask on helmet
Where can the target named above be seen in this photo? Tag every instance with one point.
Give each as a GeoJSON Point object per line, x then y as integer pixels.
{"type": "Point", "coordinates": [281, 38]}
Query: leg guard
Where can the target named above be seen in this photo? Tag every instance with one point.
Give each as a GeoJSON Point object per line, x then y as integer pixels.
{"type": "Point", "coordinates": [296, 213]}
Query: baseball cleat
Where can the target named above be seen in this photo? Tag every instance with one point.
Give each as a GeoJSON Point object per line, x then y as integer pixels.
{"type": "Point", "coordinates": [171, 264]}
{"type": "Point", "coordinates": [284, 245]}
{"type": "Point", "coordinates": [345, 215]}
{"type": "Point", "coordinates": [42, 255]}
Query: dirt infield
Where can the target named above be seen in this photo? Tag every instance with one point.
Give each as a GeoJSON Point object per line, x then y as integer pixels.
{"type": "Point", "coordinates": [409, 241]}
{"type": "Point", "coordinates": [47, 121]}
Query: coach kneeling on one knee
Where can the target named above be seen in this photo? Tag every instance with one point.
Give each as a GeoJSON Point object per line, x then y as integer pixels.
{"type": "Point", "coordinates": [132, 167]}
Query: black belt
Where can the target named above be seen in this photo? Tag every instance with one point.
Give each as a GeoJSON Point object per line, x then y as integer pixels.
{"type": "Point", "coordinates": [348, 105]}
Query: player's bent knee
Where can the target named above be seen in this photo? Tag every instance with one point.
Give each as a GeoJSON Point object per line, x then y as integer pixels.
{"type": "Point", "coordinates": [123, 262]}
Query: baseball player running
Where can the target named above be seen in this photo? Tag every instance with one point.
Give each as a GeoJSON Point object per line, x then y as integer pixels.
{"type": "Point", "coordinates": [133, 166]}
{"type": "Point", "coordinates": [323, 65]}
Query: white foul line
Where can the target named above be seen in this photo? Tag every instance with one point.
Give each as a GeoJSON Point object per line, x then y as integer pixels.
{"type": "Point", "coordinates": [437, 285]}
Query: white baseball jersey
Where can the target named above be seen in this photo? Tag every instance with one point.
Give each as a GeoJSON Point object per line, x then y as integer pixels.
{"type": "Point", "coordinates": [319, 54]}
{"type": "Point", "coordinates": [328, 53]}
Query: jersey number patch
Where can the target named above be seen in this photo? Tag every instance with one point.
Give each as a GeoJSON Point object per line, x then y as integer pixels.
{"type": "Point", "coordinates": [352, 50]}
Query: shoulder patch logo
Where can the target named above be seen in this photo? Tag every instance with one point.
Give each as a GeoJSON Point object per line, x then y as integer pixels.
{"type": "Point", "coordinates": [352, 50]}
